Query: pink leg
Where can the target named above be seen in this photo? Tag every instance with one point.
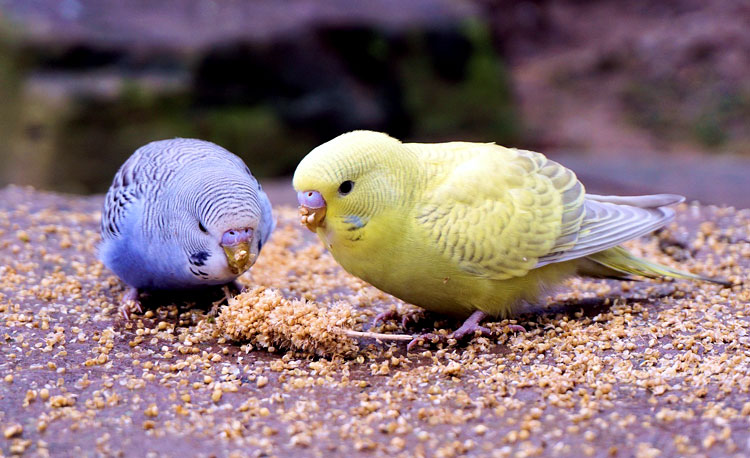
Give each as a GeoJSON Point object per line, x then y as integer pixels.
{"type": "Point", "coordinates": [382, 317]}
{"type": "Point", "coordinates": [231, 289]}
{"type": "Point", "coordinates": [469, 328]}
{"type": "Point", "coordinates": [130, 301]}
{"type": "Point", "coordinates": [239, 287]}
{"type": "Point", "coordinates": [471, 325]}
{"type": "Point", "coordinates": [393, 314]}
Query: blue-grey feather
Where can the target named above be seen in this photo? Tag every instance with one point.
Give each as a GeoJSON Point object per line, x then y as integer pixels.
{"type": "Point", "coordinates": [150, 235]}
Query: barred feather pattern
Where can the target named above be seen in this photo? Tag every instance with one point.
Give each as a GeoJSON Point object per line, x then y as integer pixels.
{"type": "Point", "coordinates": [167, 208]}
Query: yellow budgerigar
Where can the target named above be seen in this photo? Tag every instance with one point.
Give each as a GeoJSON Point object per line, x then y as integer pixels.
{"type": "Point", "coordinates": [468, 229]}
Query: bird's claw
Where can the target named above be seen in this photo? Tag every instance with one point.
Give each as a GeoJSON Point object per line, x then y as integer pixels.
{"type": "Point", "coordinates": [407, 319]}
{"type": "Point", "coordinates": [237, 287]}
{"type": "Point", "coordinates": [130, 302]}
{"type": "Point", "coordinates": [231, 289]}
{"type": "Point", "coordinates": [515, 328]}
{"type": "Point", "coordinates": [469, 329]}
{"type": "Point", "coordinates": [458, 335]}
{"type": "Point", "coordinates": [427, 338]}
{"type": "Point", "coordinates": [382, 317]}
{"type": "Point", "coordinates": [393, 314]}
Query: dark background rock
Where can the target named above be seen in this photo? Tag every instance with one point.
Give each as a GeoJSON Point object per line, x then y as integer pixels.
{"type": "Point", "coordinates": [267, 80]}
{"type": "Point", "coordinates": [655, 87]}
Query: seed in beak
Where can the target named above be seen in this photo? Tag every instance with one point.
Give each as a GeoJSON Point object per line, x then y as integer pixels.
{"type": "Point", "coordinates": [239, 257]}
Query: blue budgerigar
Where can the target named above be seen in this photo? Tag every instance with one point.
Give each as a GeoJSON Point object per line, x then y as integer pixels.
{"type": "Point", "coordinates": [180, 214]}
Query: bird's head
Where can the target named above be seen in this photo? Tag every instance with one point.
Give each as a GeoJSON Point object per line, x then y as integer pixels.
{"type": "Point", "coordinates": [344, 183]}
{"type": "Point", "coordinates": [228, 224]}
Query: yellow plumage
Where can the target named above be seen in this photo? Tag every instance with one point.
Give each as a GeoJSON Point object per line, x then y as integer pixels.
{"type": "Point", "coordinates": [459, 227]}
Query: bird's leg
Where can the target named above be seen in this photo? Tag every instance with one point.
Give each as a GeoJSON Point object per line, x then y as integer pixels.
{"type": "Point", "coordinates": [130, 301]}
{"type": "Point", "coordinates": [382, 317]}
{"type": "Point", "coordinates": [469, 328]}
{"type": "Point", "coordinates": [471, 325]}
{"type": "Point", "coordinates": [516, 328]}
{"type": "Point", "coordinates": [392, 314]}
{"type": "Point", "coordinates": [230, 289]}
{"type": "Point", "coordinates": [236, 287]}
{"type": "Point", "coordinates": [424, 338]}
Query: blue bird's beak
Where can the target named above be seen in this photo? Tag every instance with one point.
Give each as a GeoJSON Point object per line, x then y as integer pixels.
{"type": "Point", "coordinates": [312, 209]}
{"type": "Point", "coordinates": [236, 245]}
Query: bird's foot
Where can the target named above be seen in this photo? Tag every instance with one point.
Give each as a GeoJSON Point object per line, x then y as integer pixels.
{"type": "Point", "coordinates": [231, 289]}
{"type": "Point", "coordinates": [236, 287]}
{"type": "Point", "coordinates": [407, 319]}
{"type": "Point", "coordinates": [130, 302]}
{"type": "Point", "coordinates": [382, 317]}
{"type": "Point", "coordinates": [427, 338]}
{"type": "Point", "coordinates": [515, 328]}
{"type": "Point", "coordinates": [469, 328]}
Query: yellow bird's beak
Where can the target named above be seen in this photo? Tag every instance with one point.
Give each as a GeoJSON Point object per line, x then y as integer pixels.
{"type": "Point", "coordinates": [312, 209]}
{"type": "Point", "coordinates": [239, 257]}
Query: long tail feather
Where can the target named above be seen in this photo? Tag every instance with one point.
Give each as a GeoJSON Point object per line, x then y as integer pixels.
{"type": "Point", "coordinates": [621, 260]}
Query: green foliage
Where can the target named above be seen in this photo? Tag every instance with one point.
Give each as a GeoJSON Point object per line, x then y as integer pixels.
{"type": "Point", "coordinates": [720, 116]}
{"type": "Point", "coordinates": [646, 106]}
{"type": "Point", "coordinates": [100, 135]}
{"type": "Point", "coordinates": [257, 135]}
{"type": "Point", "coordinates": [75, 142]}
{"type": "Point", "coordinates": [708, 130]}
{"type": "Point", "coordinates": [480, 105]}
{"type": "Point", "coordinates": [11, 67]}
{"type": "Point", "coordinates": [699, 115]}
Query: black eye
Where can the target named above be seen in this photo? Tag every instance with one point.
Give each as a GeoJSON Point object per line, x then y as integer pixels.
{"type": "Point", "coordinates": [202, 227]}
{"type": "Point", "coordinates": [346, 187]}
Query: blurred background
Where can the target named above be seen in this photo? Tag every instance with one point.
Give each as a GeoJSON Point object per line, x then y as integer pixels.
{"type": "Point", "coordinates": [636, 96]}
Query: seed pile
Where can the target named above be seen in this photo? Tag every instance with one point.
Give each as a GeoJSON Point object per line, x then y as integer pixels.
{"type": "Point", "coordinates": [606, 368]}
{"type": "Point", "coordinates": [268, 320]}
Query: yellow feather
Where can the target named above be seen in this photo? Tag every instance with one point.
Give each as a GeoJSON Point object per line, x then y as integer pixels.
{"type": "Point", "coordinates": [460, 227]}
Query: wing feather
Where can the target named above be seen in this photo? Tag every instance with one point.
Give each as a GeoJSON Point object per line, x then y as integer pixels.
{"type": "Point", "coordinates": [149, 170]}
{"type": "Point", "coordinates": [500, 210]}
{"type": "Point", "coordinates": [611, 220]}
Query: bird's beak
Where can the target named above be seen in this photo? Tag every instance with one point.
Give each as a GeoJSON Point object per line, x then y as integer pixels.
{"type": "Point", "coordinates": [312, 209]}
{"type": "Point", "coordinates": [312, 218]}
{"type": "Point", "coordinates": [239, 257]}
{"type": "Point", "coordinates": [236, 245]}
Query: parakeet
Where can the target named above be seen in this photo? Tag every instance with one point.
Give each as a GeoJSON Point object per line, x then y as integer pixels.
{"type": "Point", "coordinates": [180, 214]}
{"type": "Point", "coordinates": [468, 229]}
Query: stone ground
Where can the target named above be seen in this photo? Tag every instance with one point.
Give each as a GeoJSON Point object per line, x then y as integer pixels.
{"type": "Point", "coordinates": [606, 368]}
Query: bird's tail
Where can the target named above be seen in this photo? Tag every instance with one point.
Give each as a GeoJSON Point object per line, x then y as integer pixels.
{"type": "Point", "coordinates": [618, 262]}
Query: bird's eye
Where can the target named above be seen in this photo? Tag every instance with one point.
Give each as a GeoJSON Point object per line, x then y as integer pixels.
{"type": "Point", "coordinates": [346, 187]}
{"type": "Point", "coordinates": [202, 227]}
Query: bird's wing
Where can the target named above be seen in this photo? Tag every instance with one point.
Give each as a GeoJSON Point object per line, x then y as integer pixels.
{"type": "Point", "coordinates": [497, 213]}
{"type": "Point", "coordinates": [609, 221]}
{"type": "Point", "coordinates": [141, 177]}
{"type": "Point", "coordinates": [138, 177]}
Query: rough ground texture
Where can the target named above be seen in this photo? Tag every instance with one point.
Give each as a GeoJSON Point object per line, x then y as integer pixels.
{"type": "Point", "coordinates": [606, 368]}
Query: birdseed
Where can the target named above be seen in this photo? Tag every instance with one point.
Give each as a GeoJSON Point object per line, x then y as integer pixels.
{"type": "Point", "coordinates": [606, 368]}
